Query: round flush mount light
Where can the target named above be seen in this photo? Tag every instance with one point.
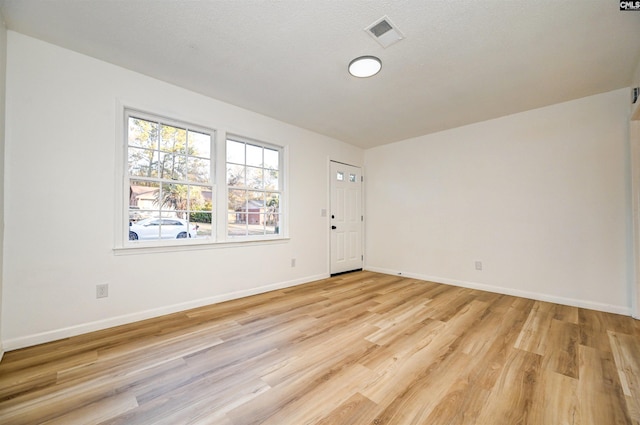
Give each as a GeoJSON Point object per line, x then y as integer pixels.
{"type": "Point", "coordinates": [365, 66]}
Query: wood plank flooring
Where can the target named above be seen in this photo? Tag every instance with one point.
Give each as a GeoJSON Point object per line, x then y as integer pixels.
{"type": "Point", "coordinates": [361, 348]}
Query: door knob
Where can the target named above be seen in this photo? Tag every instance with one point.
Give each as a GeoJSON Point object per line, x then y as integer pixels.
{"type": "Point", "coordinates": [333, 227]}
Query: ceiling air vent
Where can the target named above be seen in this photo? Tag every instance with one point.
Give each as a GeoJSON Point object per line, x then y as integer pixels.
{"type": "Point", "coordinates": [384, 32]}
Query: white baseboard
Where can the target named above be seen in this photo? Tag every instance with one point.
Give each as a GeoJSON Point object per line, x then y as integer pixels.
{"type": "Point", "coordinates": [608, 308]}
{"type": "Point", "coordinates": [56, 334]}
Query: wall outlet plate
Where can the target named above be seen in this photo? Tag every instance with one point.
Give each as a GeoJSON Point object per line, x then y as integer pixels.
{"type": "Point", "coordinates": [102, 290]}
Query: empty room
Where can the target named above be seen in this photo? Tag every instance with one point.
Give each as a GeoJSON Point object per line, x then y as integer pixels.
{"type": "Point", "coordinates": [321, 212]}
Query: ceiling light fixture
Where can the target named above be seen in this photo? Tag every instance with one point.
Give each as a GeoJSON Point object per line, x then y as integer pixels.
{"type": "Point", "coordinates": [365, 66]}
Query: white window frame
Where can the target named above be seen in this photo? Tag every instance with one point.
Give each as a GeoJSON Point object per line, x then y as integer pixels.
{"type": "Point", "coordinates": [136, 113]}
{"type": "Point", "coordinates": [282, 211]}
{"type": "Point", "coordinates": [218, 155]}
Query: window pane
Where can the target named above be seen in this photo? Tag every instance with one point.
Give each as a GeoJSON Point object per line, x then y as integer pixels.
{"type": "Point", "coordinates": [255, 208]}
{"type": "Point", "coordinates": [271, 159]}
{"type": "Point", "coordinates": [143, 162]}
{"type": "Point", "coordinates": [254, 178]}
{"type": "Point", "coordinates": [237, 200]}
{"type": "Point", "coordinates": [207, 196]}
{"type": "Point", "coordinates": [352, 178]}
{"type": "Point", "coordinates": [199, 170]}
{"type": "Point", "coordinates": [340, 176]}
{"type": "Point", "coordinates": [143, 133]}
{"type": "Point", "coordinates": [197, 201]}
{"type": "Point", "coordinates": [173, 167]}
{"type": "Point", "coordinates": [254, 155]}
{"type": "Point", "coordinates": [202, 220]}
{"type": "Point", "coordinates": [235, 152]}
{"type": "Point", "coordinates": [235, 175]}
{"type": "Point", "coordinates": [173, 198]}
{"type": "Point", "coordinates": [147, 229]}
{"type": "Point", "coordinates": [237, 224]}
{"type": "Point", "coordinates": [256, 224]}
{"type": "Point", "coordinates": [254, 218]}
{"type": "Point", "coordinates": [255, 201]}
{"type": "Point", "coordinates": [271, 179]}
{"type": "Point", "coordinates": [272, 224]}
{"type": "Point", "coordinates": [272, 202]}
{"type": "Point", "coordinates": [143, 197]}
{"type": "Point", "coordinates": [199, 144]}
{"type": "Point", "coordinates": [173, 139]}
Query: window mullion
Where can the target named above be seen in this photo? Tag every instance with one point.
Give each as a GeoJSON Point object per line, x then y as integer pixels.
{"type": "Point", "coordinates": [221, 205]}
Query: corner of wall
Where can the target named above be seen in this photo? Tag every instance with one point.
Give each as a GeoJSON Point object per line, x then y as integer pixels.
{"type": "Point", "coordinates": [3, 79]}
{"type": "Point", "coordinates": [634, 140]}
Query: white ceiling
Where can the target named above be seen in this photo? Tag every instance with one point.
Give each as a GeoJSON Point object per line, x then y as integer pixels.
{"type": "Point", "coordinates": [461, 62]}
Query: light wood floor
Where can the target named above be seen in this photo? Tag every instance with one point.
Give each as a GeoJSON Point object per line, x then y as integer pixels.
{"type": "Point", "coordinates": [361, 348]}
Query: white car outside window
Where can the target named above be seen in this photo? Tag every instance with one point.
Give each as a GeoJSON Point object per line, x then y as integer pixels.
{"type": "Point", "coordinates": [162, 228]}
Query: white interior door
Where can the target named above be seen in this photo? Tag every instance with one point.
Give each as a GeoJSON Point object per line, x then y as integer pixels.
{"type": "Point", "coordinates": [346, 218]}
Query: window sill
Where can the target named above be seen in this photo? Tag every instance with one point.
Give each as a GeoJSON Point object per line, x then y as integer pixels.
{"type": "Point", "coordinates": [148, 248]}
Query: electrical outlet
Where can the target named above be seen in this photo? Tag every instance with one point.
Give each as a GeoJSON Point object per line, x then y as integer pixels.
{"type": "Point", "coordinates": [478, 265]}
{"type": "Point", "coordinates": [102, 290]}
{"type": "Point", "coordinates": [293, 262]}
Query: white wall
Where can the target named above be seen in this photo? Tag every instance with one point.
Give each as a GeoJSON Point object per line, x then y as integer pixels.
{"type": "Point", "coordinates": [3, 63]}
{"type": "Point", "coordinates": [634, 137]}
{"type": "Point", "coordinates": [60, 193]}
{"type": "Point", "coordinates": [541, 198]}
